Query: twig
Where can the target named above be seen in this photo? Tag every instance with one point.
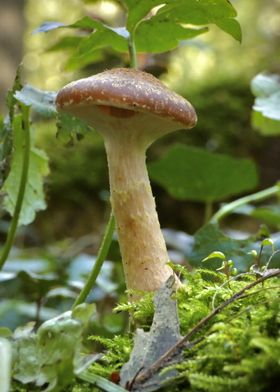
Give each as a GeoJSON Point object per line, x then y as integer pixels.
{"type": "Point", "coordinates": [174, 349]}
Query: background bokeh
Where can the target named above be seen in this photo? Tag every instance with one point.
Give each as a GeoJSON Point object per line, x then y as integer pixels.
{"type": "Point", "coordinates": [213, 71]}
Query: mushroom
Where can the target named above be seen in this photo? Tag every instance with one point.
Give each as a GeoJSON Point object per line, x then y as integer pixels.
{"type": "Point", "coordinates": [131, 109]}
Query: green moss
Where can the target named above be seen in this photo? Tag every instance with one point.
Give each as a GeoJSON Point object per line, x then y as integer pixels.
{"type": "Point", "coordinates": [240, 347]}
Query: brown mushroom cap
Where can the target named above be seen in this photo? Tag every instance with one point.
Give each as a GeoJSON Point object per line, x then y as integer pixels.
{"type": "Point", "coordinates": [122, 92]}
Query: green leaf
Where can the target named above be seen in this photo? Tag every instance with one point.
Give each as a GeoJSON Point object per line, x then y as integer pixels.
{"type": "Point", "coordinates": [203, 12]}
{"type": "Point", "coordinates": [101, 35]}
{"type": "Point", "coordinates": [266, 109]}
{"type": "Point", "coordinates": [70, 128]}
{"type": "Point", "coordinates": [155, 37]}
{"type": "Point", "coordinates": [215, 255]}
{"type": "Point", "coordinates": [38, 168]}
{"type": "Point", "coordinates": [42, 102]}
{"type": "Point", "coordinates": [78, 61]}
{"type": "Point", "coordinates": [49, 356]}
{"type": "Point", "coordinates": [137, 10]}
{"type": "Point", "coordinates": [269, 214]}
{"type": "Point", "coordinates": [5, 333]}
{"type": "Point", "coordinates": [68, 42]}
{"type": "Point", "coordinates": [189, 173]}
{"type": "Point", "coordinates": [210, 238]}
{"type": "Point", "coordinates": [264, 125]}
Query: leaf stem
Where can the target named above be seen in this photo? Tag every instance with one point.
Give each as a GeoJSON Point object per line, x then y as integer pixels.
{"type": "Point", "coordinates": [22, 187]}
{"type": "Point", "coordinates": [102, 253]}
{"type": "Point", "coordinates": [228, 208]}
{"type": "Point", "coordinates": [208, 211]}
{"type": "Point", "coordinates": [132, 51]}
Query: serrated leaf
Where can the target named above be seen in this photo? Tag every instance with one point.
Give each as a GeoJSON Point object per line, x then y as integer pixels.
{"type": "Point", "coordinates": [203, 12]}
{"type": "Point", "coordinates": [42, 102]}
{"type": "Point", "coordinates": [70, 128]}
{"type": "Point", "coordinates": [38, 168]}
{"type": "Point", "coordinates": [189, 173]}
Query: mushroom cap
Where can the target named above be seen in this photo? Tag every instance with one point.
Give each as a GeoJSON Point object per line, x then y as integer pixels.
{"type": "Point", "coordinates": [122, 92]}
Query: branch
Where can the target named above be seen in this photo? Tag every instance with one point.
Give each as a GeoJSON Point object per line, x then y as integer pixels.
{"type": "Point", "coordinates": [185, 340]}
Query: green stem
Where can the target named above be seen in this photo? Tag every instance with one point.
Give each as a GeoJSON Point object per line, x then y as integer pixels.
{"type": "Point", "coordinates": [21, 190]}
{"type": "Point", "coordinates": [102, 253]}
{"type": "Point", "coordinates": [132, 51]}
{"type": "Point", "coordinates": [228, 208]}
{"type": "Point", "coordinates": [208, 211]}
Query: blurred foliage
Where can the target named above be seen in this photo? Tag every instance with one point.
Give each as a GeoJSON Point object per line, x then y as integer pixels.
{"type": "Point", "coordinates": [266, 116]}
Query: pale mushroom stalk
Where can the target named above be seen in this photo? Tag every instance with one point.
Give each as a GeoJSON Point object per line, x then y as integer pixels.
{"type": "Point", "coordinates": [131, 109]}
{"type": "Point", "coordinates": [142, 245]}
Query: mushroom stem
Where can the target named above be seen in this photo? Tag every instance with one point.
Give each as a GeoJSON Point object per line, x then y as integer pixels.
{"type": "Point", "coordinates": [141, 241]}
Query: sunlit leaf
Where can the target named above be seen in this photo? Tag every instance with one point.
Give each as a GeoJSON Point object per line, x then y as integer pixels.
{"type": "Point", "coordinates": [152, 36]}
{"type": "Point", "coordinates": [189, 173]}
{"type": "Point", "coordinates": [266, 109]}
{"type": "Point", "coordinates": [137, 10]}
{"type": "Point", "coordinates": [215, 255]}
{"type": "Point", "coordinates": [203, 12]}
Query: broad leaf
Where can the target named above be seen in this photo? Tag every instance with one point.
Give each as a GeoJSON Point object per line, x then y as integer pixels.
{"type": "Point", "coordinates": [266, 109]}
{"type": "Point", "coordinates": [49, 357]}
{"type": "Point", "coordinates": [211, 240]}
{"type": "Point", "coordinates": [203, 12]}
{"type": "Point", "coordinates": [38, 168]}
{"type": "Point", "coordinates": [189, 173]}
{"type": "Point", "coordinates": [155, 37]}
{"type": "Point", "coordinates": [100, 36]}
{"type": "Point", "coordinates": [138, 9]}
